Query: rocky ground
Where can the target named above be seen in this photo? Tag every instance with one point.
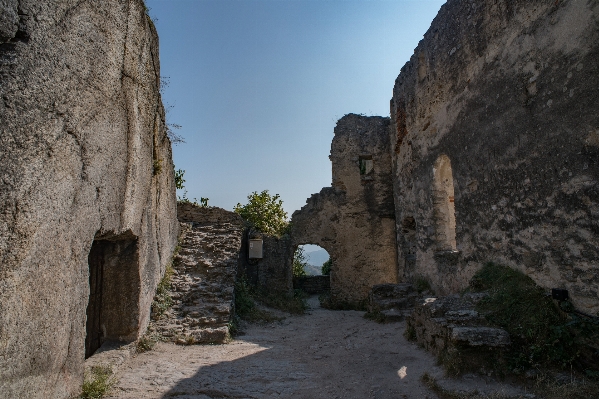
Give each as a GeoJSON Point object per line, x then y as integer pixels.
{"type": "Point", "coordinates": [323, 354]}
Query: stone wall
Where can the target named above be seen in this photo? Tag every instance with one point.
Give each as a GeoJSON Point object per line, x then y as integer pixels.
{"type": "Point", "coordinates": [354, 219]}
{"type": "Point", "coordinates": [86, 186]}
{"type": "Point", "coordinates": [274, 271]}
{"type": "Point", "coordinates": [495, 145]}
{"type": "Point", "coordinates": [312, 284]}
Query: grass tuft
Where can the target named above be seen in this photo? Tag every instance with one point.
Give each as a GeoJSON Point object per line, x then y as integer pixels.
{"type": "Point", "coordinates": [146, 343]}
{"type": "Point", "coordinates": [163, 300]}
{"type": "Point", "coordinates": [98, 383]}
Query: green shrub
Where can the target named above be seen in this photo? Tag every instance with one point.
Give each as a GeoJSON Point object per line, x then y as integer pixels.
{"type": "Point", "coordinates": [421, 284]}
{"type": "Point", "coordinates": [326, 267]}
{"type": "Point", "coordinates": [179, 180]}
{"type": "Point", "coordinates": [299, 263]}
{"type": "Point", "coordinates": [542, 334]}
{"type": "Point", "coordinates": [146, 343]}
{"type": "Point", "coordinates": [264, 212]}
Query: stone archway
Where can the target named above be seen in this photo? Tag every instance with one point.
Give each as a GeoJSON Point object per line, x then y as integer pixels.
{"type": "Point", "coordinates": [314, 282]}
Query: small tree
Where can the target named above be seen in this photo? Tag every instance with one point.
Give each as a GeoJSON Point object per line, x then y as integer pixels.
{"type": "Point", "coordinates": [299, 262]}
{"type": "Point", "coordinates": [265, 212]}
{"type": "Point", "coordinates": [326, 267]}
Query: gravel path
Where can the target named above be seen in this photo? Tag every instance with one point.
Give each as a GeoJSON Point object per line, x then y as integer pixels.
{"type": "Point", "coordinates": [324, 354]}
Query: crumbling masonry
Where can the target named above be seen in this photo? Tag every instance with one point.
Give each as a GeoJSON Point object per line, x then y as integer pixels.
{"type": "Point", "coordinates": [493, 147]}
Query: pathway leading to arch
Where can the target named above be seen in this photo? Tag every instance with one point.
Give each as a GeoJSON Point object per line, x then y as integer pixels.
{"type": "Point", "coordinates": [324, 354]}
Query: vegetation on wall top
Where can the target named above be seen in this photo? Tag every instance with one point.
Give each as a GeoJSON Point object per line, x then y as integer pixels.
{"type": "Point", "coordinates": [264, 212]}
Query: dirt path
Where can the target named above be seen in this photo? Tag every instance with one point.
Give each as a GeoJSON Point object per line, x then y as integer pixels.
{"type": "Point", "coordinates": [324, 354]}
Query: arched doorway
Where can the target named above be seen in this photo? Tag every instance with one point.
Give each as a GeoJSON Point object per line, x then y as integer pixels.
{"type": "Point", "coordinates": [312, 266]}
{"type": "Point", "coordinates": [443, 203]}
{"type": "Point", "coordinates": [314, 258]}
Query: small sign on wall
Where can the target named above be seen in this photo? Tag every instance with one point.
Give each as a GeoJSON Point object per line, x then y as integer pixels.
{"type": "Point", "coordinates": [255, 248]}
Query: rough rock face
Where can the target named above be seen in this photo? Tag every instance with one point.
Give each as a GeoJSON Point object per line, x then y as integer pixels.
{"type": "Point", "coordinates": [496, 145]}
{"type": "Point", "coordinates": [87, 191]}
{"type": "Point", "coordinates": [354, 219]}
{"type": "Point", "coordinates": [204, 277]}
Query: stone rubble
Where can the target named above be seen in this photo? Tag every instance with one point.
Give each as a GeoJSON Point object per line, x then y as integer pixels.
{"type": "Point", "coordinates": [444, 324]}
{"type": "Point", "coordinates": [393, 301]}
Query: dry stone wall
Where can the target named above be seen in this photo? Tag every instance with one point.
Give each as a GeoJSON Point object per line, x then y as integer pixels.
{"type": "Point", "coordinates": [354, 219]}
{"type": "Point", "coordinates": [86, 186]}
{"type": "Point", "coordinates": [495, 145]}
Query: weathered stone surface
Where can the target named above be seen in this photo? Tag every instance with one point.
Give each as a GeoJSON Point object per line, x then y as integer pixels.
{"type": "Point", "coordinates": [354, 219]}
{"type": "Point", "coordinates": [480, 336]}
{"type": "Point", "coordinates": [442, 325]}
{"type": "Point", "coordinates": [274, 271]}
{"type": "Point", "coordinates": [495, 117]}
{"type": "Point", "coordinates": [313, 284]}
{"type": "Point", "coordinates": [393, 301]}
{"type": "Point", "coordinates": [203, 283]}
{"type": "Point", "coordinates": [84, 159]}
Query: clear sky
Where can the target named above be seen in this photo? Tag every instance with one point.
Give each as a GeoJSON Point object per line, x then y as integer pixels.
{"type": "Point", "coordinates": [258, 85]}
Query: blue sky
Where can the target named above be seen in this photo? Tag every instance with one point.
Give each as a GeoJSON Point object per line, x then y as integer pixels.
{"type": "Point", "coordinates": [258, 85]}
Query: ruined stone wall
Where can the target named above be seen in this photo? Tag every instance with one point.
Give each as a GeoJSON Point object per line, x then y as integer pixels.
{"type": "Point", "coordinates": [312, 284]}
{"type": "Point", "coordinates": [274, 271]}
{"type": "Point", "coordinates": [495, 125]}
{"type": "Point", "coordinates": [354, 219]}
{"type": "Point", "coordinates": [84, 158]}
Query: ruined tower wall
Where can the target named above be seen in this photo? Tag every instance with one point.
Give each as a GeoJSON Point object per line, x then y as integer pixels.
{"type": "Point", "coordinates": [495, 122]}
{"type": "Point", "coordinates": [84, 159]}
{"type": "Point", "coordinates": [354, 219]}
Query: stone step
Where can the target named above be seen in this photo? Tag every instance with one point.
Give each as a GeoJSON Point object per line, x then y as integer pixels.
{"type": "Point", "coordinates": [392, 296]}
{"type": "Point", "coordinates": [202, 286]}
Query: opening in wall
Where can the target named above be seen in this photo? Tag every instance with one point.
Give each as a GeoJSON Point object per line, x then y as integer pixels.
{"type": "Point", "coordinates": [312, 259]}
{"type": "Point", "coordinates": [114, 282]}
{"type": "Point", "coordinates": [443, 203]}
{"type": "Point", "coordinates": [366, 165]}
{"type": "Point", "coordinates": [312, 269]}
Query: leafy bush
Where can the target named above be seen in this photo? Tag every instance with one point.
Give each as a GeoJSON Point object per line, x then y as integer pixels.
{"type": "Point", "coordinates": [299, 263]}
{"type": "Point", "coordinates": [326, 267]}
{"type": "Point", "coordinates": [179, 180]}
{"type": "Point", "coordinates": [264, 212]}
{"type": "Point", "coordinates": [542, 334]}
